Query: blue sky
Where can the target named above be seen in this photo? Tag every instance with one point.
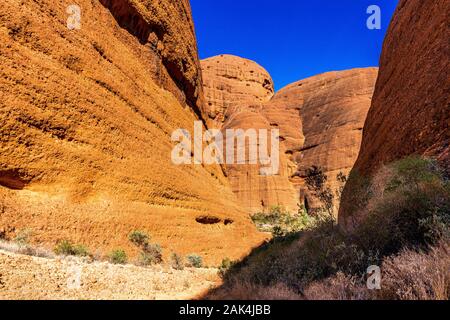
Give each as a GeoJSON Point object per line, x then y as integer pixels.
{"type": "Point", "coordinates": [292, 39]}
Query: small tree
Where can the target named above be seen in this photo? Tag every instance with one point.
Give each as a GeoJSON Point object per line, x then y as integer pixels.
{"type": "Point", "coordinates": [316, 181]}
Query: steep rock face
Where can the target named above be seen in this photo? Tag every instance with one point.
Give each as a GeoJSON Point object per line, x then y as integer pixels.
{"type": "Point", "coordinates": [320, 121]}
{"type": "Point", "coordinates": [410, 112]}
{"type": "Point", "coordinates": [232, 82]}
{"type": "Point", "coordinates": [331, 111]}
{"type": "Point", "coordinates": [235, 91]}
{"type": "Point", "coordinates": [256, 190]}
{"type": "Point", "coordinates": [86, 122]}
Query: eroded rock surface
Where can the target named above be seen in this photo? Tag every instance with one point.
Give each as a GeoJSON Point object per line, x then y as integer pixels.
{"type": "Point", "coordinates": [320, 121]}
{"type": "Point", "coordinates": [410, 111]}
{"type": "Point", "coordinates": [231, 83]}
{"type": "Point", "coordinates": [86, 122]}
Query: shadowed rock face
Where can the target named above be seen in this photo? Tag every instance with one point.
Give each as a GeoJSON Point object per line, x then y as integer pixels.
{"type": "Point", "coordinates": [410, 111]}
{"type": "Point", "coordinates": [86, 120]}
{"type": "Point", "coordinates": [320, 121]}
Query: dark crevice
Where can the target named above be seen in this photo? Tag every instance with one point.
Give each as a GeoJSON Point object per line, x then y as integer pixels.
{"type": "Point", "coordinates": [13, 179]}
{"type": "Point", "coordinates": [208, 220]}
{"type": "Point", "coordinates": [309, 147]}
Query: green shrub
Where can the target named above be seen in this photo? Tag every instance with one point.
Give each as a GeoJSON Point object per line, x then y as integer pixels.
{"type": "Point", "coordinates": [152, 254]}
{"type": "Point", "coordinates": [226, 265]}
{"type": "Point", "coordinates": [139, 238]}
{"type": "Point", "coordinates": [66, 248]}
{"type": "Point", "coordinates": [177, 262]}
{"type": "Point", "coordinates": [412, 211]}
{"type": "Point", "coordinates": [118, 256]}
{"type": "Point", "coordinates": [282, 223]}
{"type": "Point", "coordinates": [194, 260]}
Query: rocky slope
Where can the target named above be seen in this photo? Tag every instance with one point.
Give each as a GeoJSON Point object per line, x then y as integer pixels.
{"type": "Point", "coordinates": [68, 278]}
{"type": "Point", "coordinates": [320, 121]}
{"type": "Point", "coordinates": [410, 112]}
{"type": "Point", "coordinates": [86, 122]}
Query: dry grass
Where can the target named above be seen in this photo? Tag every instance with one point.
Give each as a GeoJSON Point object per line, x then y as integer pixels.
{"type": "Point", "coordinates": [409, 275]}
{"type": "Point", "coordinates": [26, 249]}
{"type": "Point", "coordinates": [250, 291]}
{"type": "Point", "coordinates": [417, 275]}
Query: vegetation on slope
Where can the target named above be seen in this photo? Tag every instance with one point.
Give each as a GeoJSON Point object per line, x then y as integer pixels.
{"type": "Point", "coordinates": [404, 229]}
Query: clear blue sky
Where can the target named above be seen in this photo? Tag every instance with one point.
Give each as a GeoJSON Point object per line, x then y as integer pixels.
{"type": "Point", "coordinates": [292, 39]}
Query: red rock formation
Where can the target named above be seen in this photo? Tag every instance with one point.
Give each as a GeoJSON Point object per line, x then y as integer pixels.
{"type": "Point", "coordinates": [231, 82]}
{"type": "Point", "coordinates": [86, 119]}
{"type": "Point", "coordinates": [320, 121]}
{"type": "Point", "coordinates": [410, 112]}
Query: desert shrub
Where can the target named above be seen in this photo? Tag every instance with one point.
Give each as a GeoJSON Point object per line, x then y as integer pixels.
{"type": "Point", "coordinates": [413, 211]}
{"type": "Point", "coordinates": [151, 253]}
{"type": "Point", "coordinates": [316, 181]}
{"type": "Point", "coordinates": [225, 266]}
{"type": "Point", "coordinates": [23, 237]}
{"type": "Point", "coordinates": [194, 260]}
{"type": "Point", "coordinates": [247, 290]}
{"type": "Point", "coordinates": [407, 207]}
{"type": "Point", "coordinates": [282, 223]}
{"type": "Point", "coordinates": [176, 261]}
{"type": "Point", "coordinates": [413, 275]}
{"type": "Point", "coordinates": [118, 256]}
{"type": "Point", "coordinates": [139, 238]}
{"type": "Point", "coordinates": [66, 248]}
{"type": "Point", "coordinates": [338, 287]}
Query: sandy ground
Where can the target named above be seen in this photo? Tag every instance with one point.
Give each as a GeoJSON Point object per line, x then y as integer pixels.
{"type": "Point", "coordinates": [69, 278]}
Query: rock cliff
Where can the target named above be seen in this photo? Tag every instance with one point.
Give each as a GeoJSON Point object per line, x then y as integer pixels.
{"type": "Point", "coordinates": [320, 120]}
{"type": "Point", "coordinates": [86, 121]}
{"type": "Point", "coordinates": [410, 111]}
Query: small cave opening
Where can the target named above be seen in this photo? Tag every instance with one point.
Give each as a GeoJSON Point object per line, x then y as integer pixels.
{"type": "Point", "coordinates": [208, 220]}
{"type": "Point", "coordinates": [228, 222]}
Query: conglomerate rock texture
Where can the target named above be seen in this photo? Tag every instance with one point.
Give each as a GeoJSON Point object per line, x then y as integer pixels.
{"type": "Point", "coordinates": [86, 121]}
{"type": "Point", "coordinates": [410, 111]}
{"type": "Point", "coordinates": [320, 121]}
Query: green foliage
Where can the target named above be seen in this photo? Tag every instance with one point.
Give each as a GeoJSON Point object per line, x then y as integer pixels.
{"type": "Point", "coordinates": [150, 253]}
{"type": "Point", "coordinates": [66, 248]}
{"type": "Point", "coordinates": [118, 256]}
{"type": "Point", "coordinates": [281, 223]}
{"type": "Point", "coordinates": [226, 265]}
{"type": "Point", "coordinates": [177, 262]}
{"type": "Point", "coordinates": [139, 238]}
{"type": "Point", "coordinates": [316, 181]}
{"type": "Point", "coordinates": [413, 211]}
{"type": "Point", "coordinates": [194, 260]}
